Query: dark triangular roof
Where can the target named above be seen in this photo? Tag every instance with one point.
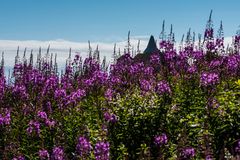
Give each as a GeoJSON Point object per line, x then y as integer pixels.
{"type": "Point", "coordinates": [151, 47]}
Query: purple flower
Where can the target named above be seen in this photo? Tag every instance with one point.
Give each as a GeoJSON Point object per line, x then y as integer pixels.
{"type": "Point", "coordinates": [20, 91]}
{"type": "Point", "coordinates": [232, 63]}
{"type": "Point", "coordinates": [89, 82]}
{"type": "Point", "coordinates": [161, 139]}
{"type": "Point", "coordinates": [114, 80]}
{"type": "Point", "coordinates": [210, 46]}
{"type": "Point", "coordinates": [101, 150]}
{"type": "Point", "coordinates": [50, 123]}
{"type": "Point", "coordinates": [109, 94]}
{"type": "Point", "coordinates": [192, 69]}
{"type": "Point", "coordinates": [188, 153]}
{"type": "Point", "coordinates": [198, 55]}
{"type": "Point", "coordinates": [42, 115]}
{"type": "Point", "coordinates": [209, 157]}
{"type": "Point", "coordinates": [58, 153]}
{"type": "Point", "coordinates": [163, 87]}
{"type": "Point", "coordinates": [60, 93]}
{"type": "Point", "coordinates": [145, 85]}
{"type": "Point", "coordinates": [5, 120]}
{"type": "Point", "coordinates": [215, 64]}
{"type": "Point", "coordinates": [170, 55]}
{"type": "Point", "coordinates": [33, 126]}
{"type": "Point", "coordinates": [237, 148]}
{"type": "Point", "coordinates": [155, 59]}
{"type": "Point", "coordinates": [83, 147]}
{"type": "Point", "coordinates": [43, 154]}
{"type": "Point", "coordinates": [76, 96]}
{"type": "Point", "coordinates": [110, 117]}
{"type": "Point", "coordinates": [100, 77]}
{"type": "Point", "coordinates": [148, 71]}
{"type": "Point", "coordinates": [209, 79]}
{"type": "Point", "coordinates": [19, 158]}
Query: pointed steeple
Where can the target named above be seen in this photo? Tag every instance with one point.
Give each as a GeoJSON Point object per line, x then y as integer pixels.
{"type": "Point", "coordinates": [151, 47]}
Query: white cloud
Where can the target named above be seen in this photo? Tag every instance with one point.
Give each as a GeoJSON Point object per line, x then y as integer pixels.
{"type": "Point", "coordinates": [61, 47]}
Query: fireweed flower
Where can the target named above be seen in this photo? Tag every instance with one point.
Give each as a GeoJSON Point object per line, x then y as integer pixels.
{"type": "Point", "coordinates": [192, 69]}
{"type": "Point", "coordinates": [50, 123]}
{"type": "Point", "coordinates": [145, 85]}
{"type": "Point", "coordinates": [75, 97]}
{"type": "Point", "coordinates": [163, 87]}
{"type": "Point", "coordinates": [209, 79]}
{"type": "Point", "coordinates": [188, 153]}
{"type": "Point", "coordinates": [114, 80]}
{"type": "Point", "coordinates": [160, 139]}
{"type": "Point", "coordinates": [110, 117]}
{"type": "Point", "coordinates": [215, 64]}
{"type": "Point", "coordinates": [5, 120]}
{"type": "Point", "coordinates": [101, 150]}
{"type": "Point", "coordinates": [148, 71]}
{"type": "Point", "coordinates": [100, 77]}
{"type": "Point", "coordinates": [48, 107]}
{"type": "Point", "coordinates": [210, 46]}
{"type": "Point", "coordinates": [88, 82]}
{"type": "Point", "coordinates": [232, 63]}
{"type": "Point", "coordinates": [43, 154]}
{"type": "Point", "coordinates": [2, 87]}
{"type": "Point", "coordinates": [198, 55]}
{"type": "Point", "coordinates": [237, 148]}
{"type": "Point", "coordinates": [170, 55]}
{"type": "Point", "coordinates": [155, 59]}
{"type": "Point", "coordinates": [19, 158]}
{"type": "Point", "coordinates": [20, 91]}
{"type": "Point", "coordinates": [58, 153]}
{"type": "Point", "coordinates": [33, 126]}
{"type": "Point", "coordinates": [136, 68]}
{"type": "Point", "coordinates": [109, 94]}
{"type": "Point", "coordinates": [60, 93]}
{"type": "Point", "coordinates": [209, 157]}
{"type": "Point", "coordinates": [42, 115]}
{"type": "Point", "coordinates": [83, 147]}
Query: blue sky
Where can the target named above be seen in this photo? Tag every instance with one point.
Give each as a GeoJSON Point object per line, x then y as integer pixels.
{"type": "Point", "coordinates": [110, 20]}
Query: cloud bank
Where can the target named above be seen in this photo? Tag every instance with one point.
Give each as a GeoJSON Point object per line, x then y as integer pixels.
{"type": "Point", "coordinates": [61, 48]}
